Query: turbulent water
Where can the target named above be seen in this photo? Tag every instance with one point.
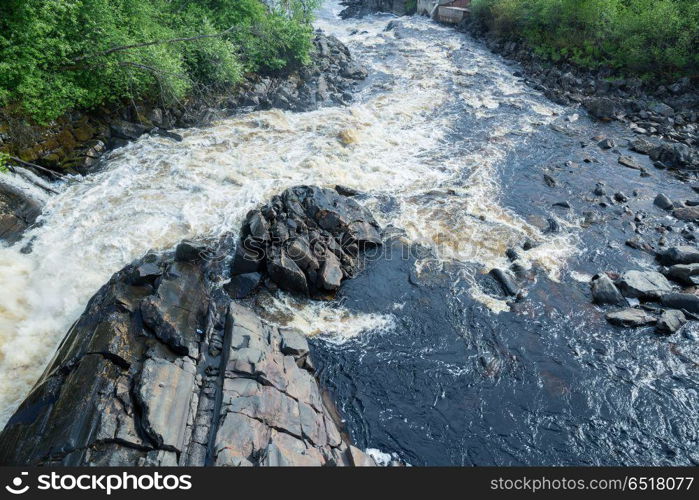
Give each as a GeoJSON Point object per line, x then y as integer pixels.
{"type": "Point", "coordinates": [428, 138]}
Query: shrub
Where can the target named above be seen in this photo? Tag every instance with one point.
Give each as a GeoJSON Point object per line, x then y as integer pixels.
{"type": "Point", "coordinates": [57, 55]}
{"type": "Point", "coordinates": [652, 37]}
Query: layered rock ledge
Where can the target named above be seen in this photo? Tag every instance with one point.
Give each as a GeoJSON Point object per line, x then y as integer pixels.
{"type": "Point", "coordinates": [163, 368]}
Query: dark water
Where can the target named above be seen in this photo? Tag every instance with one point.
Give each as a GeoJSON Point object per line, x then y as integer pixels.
{"type": "Point", "coordinates": [550, 382]}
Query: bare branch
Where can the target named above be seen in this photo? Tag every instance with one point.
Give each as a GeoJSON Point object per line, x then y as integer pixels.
{"type": "Point", "coordinates": [155, 42]}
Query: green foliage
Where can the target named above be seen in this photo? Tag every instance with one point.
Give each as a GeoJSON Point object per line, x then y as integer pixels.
{"type": "Point", "coordinates": [55, 54]}
{"type": "Point", "coordinates": [4, 159]}
{"type": "Point", "coordinates": [654, 37]}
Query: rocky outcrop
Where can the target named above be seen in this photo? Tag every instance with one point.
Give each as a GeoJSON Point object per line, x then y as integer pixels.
{"type": "Point", "coordinates": [75, 142]}
{"type": "Point", "coordinates": [328, 80]}
{"type": "Point", "coordinates": [307, 240]}
{"type": "Point", "coordinates": [163, 368]}
{"type": "Point", "coordinates": [360, 8]}
{"type": "Point", "coordinates": [17, 212]}
{"type": "Point", "coordinates": [656, 300]}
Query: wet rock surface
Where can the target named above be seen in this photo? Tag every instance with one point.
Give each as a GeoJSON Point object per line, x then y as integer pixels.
{"type": "Point", "coordinates": [17, 212]}
{"type": "Point", "coordinates": [664, 114]}
{"type": "Point", "coordinates": [163, 368]}
{"type": "Point", "coordinates": [667, 297]}
{"type": "Point", "coordinates": [306, 240]}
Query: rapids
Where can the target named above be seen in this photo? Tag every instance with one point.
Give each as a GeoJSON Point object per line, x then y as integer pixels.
{"type": "Point", "coordinates": [429, 138]}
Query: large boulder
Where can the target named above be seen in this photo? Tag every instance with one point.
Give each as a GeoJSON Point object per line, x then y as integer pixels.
{"type": "Point", "coordinates": [679, 255]}
{"type": "Point", "coordinates": [684, 301]}
{"type": "Point", "coordinates": [687, 274]}
{"type": "Point", "coordinates": [163, 369]}
{"type": "Point", "coordinates": [602, 108]}
{"type": "Point", "coordinates": [648, 285]}
{"type": "Point", "coordinates": [306, 240]}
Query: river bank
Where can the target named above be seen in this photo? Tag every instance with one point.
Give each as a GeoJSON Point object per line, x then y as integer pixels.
{"type": "Point", "coordinates": [666, 114]}
{"type": "Point", "coordinates": [74, 144]}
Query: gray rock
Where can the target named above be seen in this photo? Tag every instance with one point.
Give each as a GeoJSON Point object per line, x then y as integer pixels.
{"type": "Point", "coordinates": [689, 214]}
{"type": "Point", "coordinates": [670, 321]}
{"type": "Point", "coordinates": [679, 255]}
{"type": "Point", "coordinates": [287, 274]}
{"type": "Point", "coordinates": [242, 285]}
{"type": "Point", "coordinates": [643, 284]}
{"type": "Point", "coordinates": [606, 144]}
{"type": "Point", "coordinates": [507, 281]}
{"type": "Point", "coordinates": [605, 292]}
{"type": "Point", "coordinates": [629, 162]}
{"type": "Point", "coordinates": [164, 393]}
{"type": "Point", "coordinates": [550, 181]}
{"type": "Point", "coordinates": [127, 130]}
{"type": "Point", "coordinates": [189, 251]}
{"type": "Point", "coordinates": [145, 273]}
{"type": "Point", "coordinates": [247, 258]}
{"type": "Point", "coordinates": [661, 108]}
{"type": "Point", "coordinates": [330, 273]}
{"type": "Point", "coordinates": [663, 202]}
{"type": "Point", "coordinates": [324, 234]}
{"type": "Point", "coordinates": [620, 197]}
{"type": "Point", "coordinates": [685, 301]}
{"type": "Point", "coordinates": [176, 312]}
{"type": "Point", "coordinates": [301, 253]}
{"type": "Point", "coordinates": [293, 343]}
{"type": "Point", "coordinates": [256, 226]}
{"type": "Point", "coordinates": [630, 318]}
{"type": "Point", "coordinates": [602, 108]}
{"type": "Point", "coordinates": [676, 155]}
{"type": "Point", "coordinates": [641, 146]}
{"type": "Point", "coordinates": [17, 212]}
{"type": "Point", "coordinates": [687, 274]}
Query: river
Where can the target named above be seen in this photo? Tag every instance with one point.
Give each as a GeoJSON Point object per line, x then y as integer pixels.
{"type": "Point", "coordinates": [426, 361]}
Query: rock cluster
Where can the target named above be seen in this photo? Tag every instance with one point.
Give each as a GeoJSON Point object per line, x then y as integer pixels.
{"type": "Point", "coordinates": [666, 299]}
{"type": "Point", "coordinates": [328, 80]}
{"type": "Point", "coordinates": [306, 240]}
{"type": "Point", "coordinates": [164, 369]}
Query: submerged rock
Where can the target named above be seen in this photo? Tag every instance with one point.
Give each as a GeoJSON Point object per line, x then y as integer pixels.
{"type": "Point", "coordinates": [507, 281]}
{"type": "Point", "coordinates": [128, 386]}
